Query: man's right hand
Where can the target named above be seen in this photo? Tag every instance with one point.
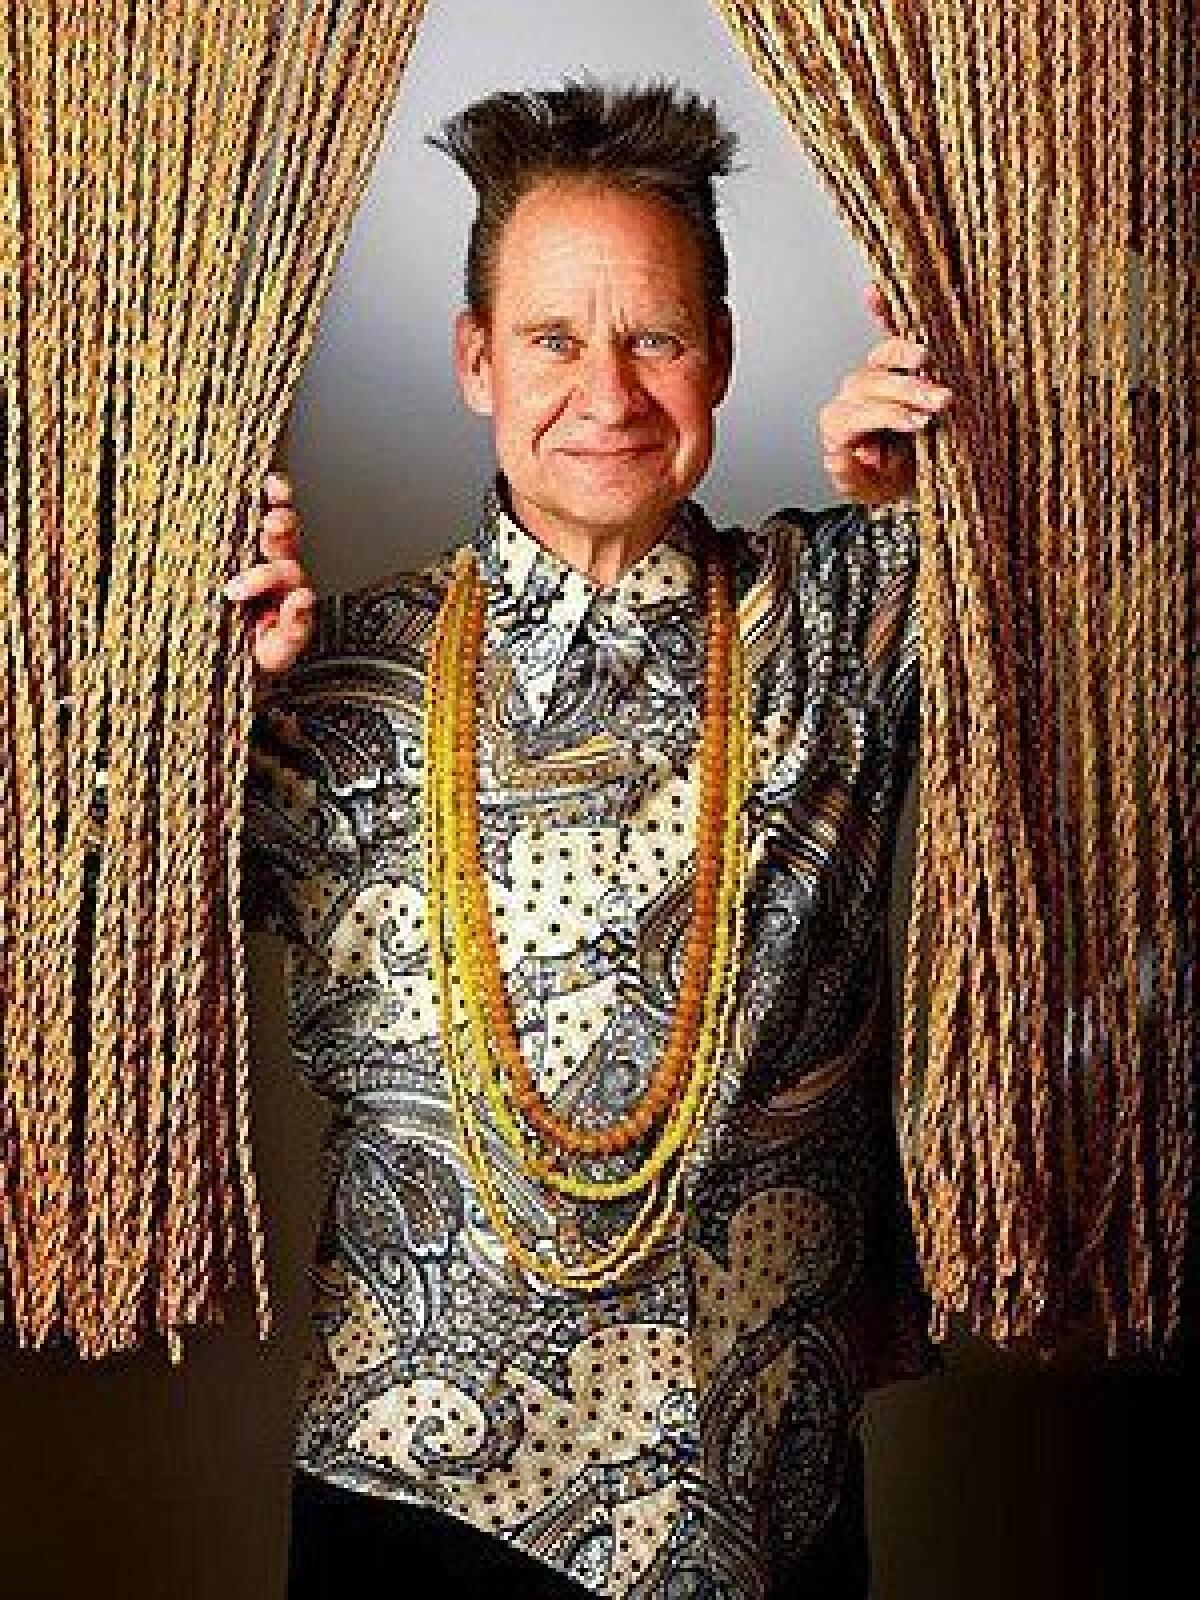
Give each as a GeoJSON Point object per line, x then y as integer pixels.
{"type": "Point", "coordinates": [277, 590]}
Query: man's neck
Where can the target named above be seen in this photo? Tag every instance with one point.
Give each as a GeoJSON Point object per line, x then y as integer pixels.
{"type": "Point", "coordinates": [603, 557]}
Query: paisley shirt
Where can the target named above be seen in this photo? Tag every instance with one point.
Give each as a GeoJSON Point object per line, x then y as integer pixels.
{"type": "Point", "coordinates": [682, 1432]}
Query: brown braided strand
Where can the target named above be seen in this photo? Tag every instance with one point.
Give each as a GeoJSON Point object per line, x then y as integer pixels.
{"type": "Point", "coordinates": [177, 183]}
{"type": "Point", "coordinates": [176, 186]}
{"type": "Point", "coordinates": [1048, 259]}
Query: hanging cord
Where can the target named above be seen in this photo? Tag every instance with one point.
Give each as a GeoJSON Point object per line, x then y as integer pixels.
{"type": "Point", "coordinates": [177, 183]}
{"type": "Point", "coordinates": [1020, 178]}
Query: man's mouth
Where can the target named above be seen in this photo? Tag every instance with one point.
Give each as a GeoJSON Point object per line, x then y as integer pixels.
{"type": "Point", "coordinates": [622, 453]}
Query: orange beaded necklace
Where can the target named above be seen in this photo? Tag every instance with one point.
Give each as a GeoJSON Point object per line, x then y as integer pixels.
{"type": "Point", "coordinates": [683, 1080]}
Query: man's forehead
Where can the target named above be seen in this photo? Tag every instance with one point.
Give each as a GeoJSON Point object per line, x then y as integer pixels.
{"type": "Point", "coordinates": [579, 242]}
{"type": "Point", "coordinates": [621, 278]}
{"type": "Point", "coordinates": [572, 245]}
{"type": "Point", "coordinates": [579, 282]}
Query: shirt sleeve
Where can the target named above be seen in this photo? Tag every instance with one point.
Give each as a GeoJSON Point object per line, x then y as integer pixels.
{"type": "Point", "coordinates": [300, 844]}
{"type": "Point", "coordinates": [856, 568]}
{"type": "Point", "coordinates": [893, 631]}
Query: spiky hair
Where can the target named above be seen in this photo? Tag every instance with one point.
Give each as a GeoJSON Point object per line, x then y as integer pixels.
{"type": "Point", "coordinates": [650, 139]}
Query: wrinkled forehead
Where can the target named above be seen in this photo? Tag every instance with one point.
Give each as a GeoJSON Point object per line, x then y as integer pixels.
{"type": "Point", "coordinates": [580, 249]}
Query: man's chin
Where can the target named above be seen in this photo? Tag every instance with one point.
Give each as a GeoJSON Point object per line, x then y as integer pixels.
{"type": "Point", "coordinates": [615, 512]}
{"type": "Point", "coordinates": [603, 498]}
{"type": "Point", "coordinates": [629, 502]}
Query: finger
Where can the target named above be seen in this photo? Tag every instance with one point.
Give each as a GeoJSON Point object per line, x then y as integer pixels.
{"type": "Point", "coordinates": [283, 519]}
{"type": "Point", "coordinates": [870, 484]}
{"type": "Point", "coordinates": [265, 578]}
{"type": "Point", "coordinates": [846, 424]}
{"type": "Point", "coordinates": [282, 633]}
{"type": "Point", "coordinates": [894, 477]}
{"type": "Point", "coordinates": [296, 613]}
{"type": "Point", "coordinates": [907, 389]}
{"type": "Point", "coordinates": [883, 452]}
{"type": "Point", "coordinates": [898, 355]}
{"type": "Point", "coordinates": [280, 532]}
{"type": "Point", "coordinates": [279, 489]}
{"type": "Point", "coordinates": [272, 652]}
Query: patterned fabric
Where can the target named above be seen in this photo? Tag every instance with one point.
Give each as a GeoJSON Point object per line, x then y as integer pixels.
{"type": "Point", "coordinates": [685, 1433]}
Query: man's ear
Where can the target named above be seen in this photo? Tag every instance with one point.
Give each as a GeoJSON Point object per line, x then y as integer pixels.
{"type": "Point", "coordinates": [720, 334]}
{"type": "Point", "coordinates": [472, 362]}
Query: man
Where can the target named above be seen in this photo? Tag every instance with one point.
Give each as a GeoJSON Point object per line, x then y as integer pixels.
{"type": "Point", "coordinates": [581, 838]}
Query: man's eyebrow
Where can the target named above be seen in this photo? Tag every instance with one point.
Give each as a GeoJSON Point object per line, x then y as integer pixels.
{"type": "Point", "coordinates": [674, 320]}
{"type": "Point", "coordinates": [542, 324]}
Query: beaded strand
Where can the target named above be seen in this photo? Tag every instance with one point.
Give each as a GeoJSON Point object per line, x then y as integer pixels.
{"type": "Point", "coordinates": [485, 965]}
{"type": "Point", "coordinates": [677, 1098]}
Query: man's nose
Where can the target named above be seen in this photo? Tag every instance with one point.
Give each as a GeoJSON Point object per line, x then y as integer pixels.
{"type": "Point", "coordinates": [609, 387]}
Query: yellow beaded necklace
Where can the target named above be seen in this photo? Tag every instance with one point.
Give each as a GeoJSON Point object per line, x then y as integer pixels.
{"type": "Point", "coordinates": [682, 1085]}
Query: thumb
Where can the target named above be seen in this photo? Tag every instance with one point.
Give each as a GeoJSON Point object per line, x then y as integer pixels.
{"type": "Point", "coordinates": [297, 611]}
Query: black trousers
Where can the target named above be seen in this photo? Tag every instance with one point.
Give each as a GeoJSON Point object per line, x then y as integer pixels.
{"type": "Point", "coordinates": [348, 1544]}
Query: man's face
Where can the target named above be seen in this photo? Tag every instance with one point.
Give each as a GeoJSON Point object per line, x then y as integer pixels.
{"type": "Point", "coordinates": [600, 365]}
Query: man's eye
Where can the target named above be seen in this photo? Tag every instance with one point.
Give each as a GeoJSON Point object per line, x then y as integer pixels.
{"type": "Point", "coordinates": [658, 341]}
{"type": "Point", "coordinates": [556, 343]}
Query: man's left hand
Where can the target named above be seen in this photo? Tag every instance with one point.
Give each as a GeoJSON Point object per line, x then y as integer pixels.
{"type": "Point", "coordinates": [867, 429]}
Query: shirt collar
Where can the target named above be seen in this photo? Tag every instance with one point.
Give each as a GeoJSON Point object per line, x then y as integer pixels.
{"type": "Point", "coordinates": [539, 600]}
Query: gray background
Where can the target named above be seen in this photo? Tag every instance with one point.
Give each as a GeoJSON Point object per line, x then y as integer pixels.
{"type": "Point", "coordinates": [135, 1481]}
{"type": "Point", "coordinates": [387, 461]}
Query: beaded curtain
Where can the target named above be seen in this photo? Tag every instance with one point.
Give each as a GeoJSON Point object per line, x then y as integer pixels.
{"type": "Point", "coordinates": [177, 180]}
{"type": "Point", "coordinates": [1021, 178]}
